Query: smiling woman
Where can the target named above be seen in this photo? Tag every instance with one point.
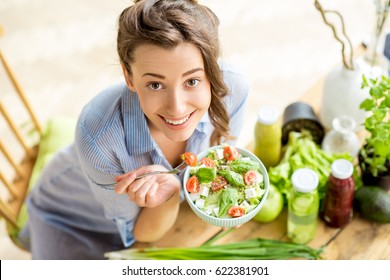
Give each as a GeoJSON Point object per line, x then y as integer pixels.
{"type": "Point", "coordinates": [175, 97]}
{"type": "Point", "coordinates": [173, 91]}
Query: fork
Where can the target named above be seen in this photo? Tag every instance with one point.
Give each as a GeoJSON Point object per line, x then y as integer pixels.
{"type": "Point", "coordinates": [175, 170]}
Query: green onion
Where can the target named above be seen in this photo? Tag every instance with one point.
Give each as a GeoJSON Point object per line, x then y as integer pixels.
{"type": "Point", "coordinates": [254, 249]}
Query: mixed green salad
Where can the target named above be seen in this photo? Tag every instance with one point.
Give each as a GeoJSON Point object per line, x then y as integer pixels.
{"type": "Point", "coordinates": [225, 184]}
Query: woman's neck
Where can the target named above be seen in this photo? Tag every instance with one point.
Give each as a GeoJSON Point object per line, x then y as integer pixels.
{"type": "Point", "coordinates": [171, 149]}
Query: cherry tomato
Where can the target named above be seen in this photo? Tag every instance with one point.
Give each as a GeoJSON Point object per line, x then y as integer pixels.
{"type": "Point", "coordinates": [251, 177]}
{"type": "Point", "coordinates": [190, 158]}
{"type": "Point", "coordinates": [208, 162]}
{"type": "Point", "coordinates": [192, 184]}
{"type": "Point", "coordinates": [230, 153]}
{"type": "Point", "coordinates": [236, 211]}
{"type": "Point", "coordinates": [218, 183]}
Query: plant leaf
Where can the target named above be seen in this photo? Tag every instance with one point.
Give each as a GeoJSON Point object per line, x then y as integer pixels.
{"type": "Point", "coordinates": [367, 104]}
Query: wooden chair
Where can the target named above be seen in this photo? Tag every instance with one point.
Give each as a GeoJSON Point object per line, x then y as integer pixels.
{"type": "Point", "coordinates": [25, 154]}
{"type": "Point", "coordinates": [15, 173]}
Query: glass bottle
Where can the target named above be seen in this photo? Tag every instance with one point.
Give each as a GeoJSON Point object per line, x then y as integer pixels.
{"type": "Point", "coordinates": [303, 206]}
{"type": "Point", "coordinates": [342, 138]}
{"type": "Point", "coordinates": [338, 207]}
{"type": "Point", "coordinates": [268, 135]}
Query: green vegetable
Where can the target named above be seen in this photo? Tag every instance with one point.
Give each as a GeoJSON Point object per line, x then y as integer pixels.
{"type": "Point", "coordinates": [301, 151]}
{"type": "Point", "coordinates": [259, 194]}
{"type": "Point", "coordinates": [254, 249]}
{"type": "Point", "coordinates": [243, 166]}
{"type": "Point", "coordinates": [206, 174]}
{"type": "Point", "coordinates": [212, 198]}
{"type": "Point", "coordinates": [228, 199]}
{"type": "Point", "coordinates": [233, 178]}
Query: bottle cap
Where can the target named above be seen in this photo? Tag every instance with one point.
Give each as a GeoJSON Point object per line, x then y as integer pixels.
{"type": "Point", "coordinates": [342, 169]}
{"type": "Point", "coordinates": [267, 115]}
{"type": "Point", "coordinates": [305, 180]}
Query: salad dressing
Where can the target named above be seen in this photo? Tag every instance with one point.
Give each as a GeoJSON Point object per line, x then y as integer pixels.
{"type": "Point", "coordinates": [268, 134]}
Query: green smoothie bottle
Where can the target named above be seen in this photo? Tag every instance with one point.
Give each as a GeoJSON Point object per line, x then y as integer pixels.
{"type": "Point", "coordinates": [303, 206]}
{"type": "Point", "coordinates": [268, 134]}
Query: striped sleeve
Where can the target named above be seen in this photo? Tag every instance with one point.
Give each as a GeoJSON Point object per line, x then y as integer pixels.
{"type": "Point", "coordinates": [100, 164]}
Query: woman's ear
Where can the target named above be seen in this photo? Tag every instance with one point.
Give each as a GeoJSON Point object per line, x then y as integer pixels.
{"type": "Point", "coordinates": [128, 78]}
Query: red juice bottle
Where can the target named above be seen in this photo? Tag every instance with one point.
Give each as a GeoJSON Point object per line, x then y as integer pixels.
{"type": "Point", "coordinates": [338, 207]}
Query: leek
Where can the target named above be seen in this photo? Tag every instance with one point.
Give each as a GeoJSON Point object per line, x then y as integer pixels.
{"type": "Point", "coordinates": [254, 249]}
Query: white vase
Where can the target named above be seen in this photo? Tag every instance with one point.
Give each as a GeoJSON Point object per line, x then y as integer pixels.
{"type": "Point", "coordinates": [342, 95]}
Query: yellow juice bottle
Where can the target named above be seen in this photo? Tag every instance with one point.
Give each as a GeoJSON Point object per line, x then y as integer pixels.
{"type": "Point", "coordinates": [268, 133]}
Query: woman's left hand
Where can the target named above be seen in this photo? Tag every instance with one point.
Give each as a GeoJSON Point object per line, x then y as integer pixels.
{"type": "Point", "coordinates": [149, 191]}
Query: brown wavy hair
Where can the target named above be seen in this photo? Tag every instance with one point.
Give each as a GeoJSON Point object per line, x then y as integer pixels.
{"type": "Point", "coordinates": [167, 23]}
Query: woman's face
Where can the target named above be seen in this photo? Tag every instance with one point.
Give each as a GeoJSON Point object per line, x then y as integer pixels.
{"type": "Point", "coordinates": [172, 87]}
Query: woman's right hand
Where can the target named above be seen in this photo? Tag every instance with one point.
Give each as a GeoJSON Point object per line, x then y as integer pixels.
{"type": "Point", "coordinates": [149, 191]}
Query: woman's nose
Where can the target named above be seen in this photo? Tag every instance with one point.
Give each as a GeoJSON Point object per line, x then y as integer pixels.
{"type": "Point", "coordinates": [176, 102]}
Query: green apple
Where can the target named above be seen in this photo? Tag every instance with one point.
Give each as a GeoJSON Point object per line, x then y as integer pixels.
{"type": "Point", "coordinates": [272, 207]}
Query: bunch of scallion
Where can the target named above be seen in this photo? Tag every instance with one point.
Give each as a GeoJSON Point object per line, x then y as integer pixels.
{"type": "Point", "coordinates": [254, 249]}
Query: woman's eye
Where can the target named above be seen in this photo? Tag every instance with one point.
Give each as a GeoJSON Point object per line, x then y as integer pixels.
{"type": "Point", "coordinates": [155, 86]}
{"type": "Point", "coordinates": [192, 82]}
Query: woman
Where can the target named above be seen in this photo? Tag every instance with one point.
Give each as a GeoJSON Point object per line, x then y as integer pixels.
{"type": "Point", "coordinates": [175, 98]}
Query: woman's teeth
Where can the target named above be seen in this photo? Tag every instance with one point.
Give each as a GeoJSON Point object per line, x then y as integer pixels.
{"type": "Point", "coordinates": [178, 122]}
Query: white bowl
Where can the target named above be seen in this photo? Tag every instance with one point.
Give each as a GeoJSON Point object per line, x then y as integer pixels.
{"type": "Point", "coordinates": [228, 222]}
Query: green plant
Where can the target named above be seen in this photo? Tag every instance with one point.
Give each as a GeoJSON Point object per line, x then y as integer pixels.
{"type": "Point", "coordinates": [375, 153]}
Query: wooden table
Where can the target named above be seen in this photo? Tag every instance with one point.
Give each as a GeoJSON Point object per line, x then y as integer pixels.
{"type": "Point", "coordinates": [360, 239]}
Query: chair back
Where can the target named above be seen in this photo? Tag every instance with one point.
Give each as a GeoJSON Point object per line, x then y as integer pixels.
{"type": "Point", "coordinates": [18, 145]}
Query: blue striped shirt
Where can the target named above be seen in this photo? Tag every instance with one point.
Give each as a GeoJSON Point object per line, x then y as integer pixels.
{"type": "Point", "coordinates": [112, 138]}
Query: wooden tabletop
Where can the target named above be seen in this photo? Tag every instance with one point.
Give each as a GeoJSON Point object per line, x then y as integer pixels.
{"type": "Point", "coordinates": [359, 240]}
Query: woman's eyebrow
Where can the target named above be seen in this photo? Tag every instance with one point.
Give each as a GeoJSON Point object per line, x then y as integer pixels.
{"type": "Point", "coordinates": [189, 72]}
{"type": "Point", "coordinates": [192, 71]}
{"type": "Point", "coordinates": [154, 75]}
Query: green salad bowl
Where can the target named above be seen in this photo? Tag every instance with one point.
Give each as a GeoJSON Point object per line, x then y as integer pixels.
{"type": "Point", "coordinates": [228, 222]}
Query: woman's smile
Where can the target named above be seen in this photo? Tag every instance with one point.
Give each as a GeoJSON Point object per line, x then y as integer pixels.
{"type": "Point", "coordinates": [177, 123]}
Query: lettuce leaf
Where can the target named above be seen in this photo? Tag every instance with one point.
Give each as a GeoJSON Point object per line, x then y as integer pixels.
{"type": "Point", "coordinates": [233, 178]}
{"type": "Point", "coordinates": [243, 166]}
{"type": "Point", "coordinates": [228, 198]}
{"type": "Point", "coordinates": [206, 174]}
